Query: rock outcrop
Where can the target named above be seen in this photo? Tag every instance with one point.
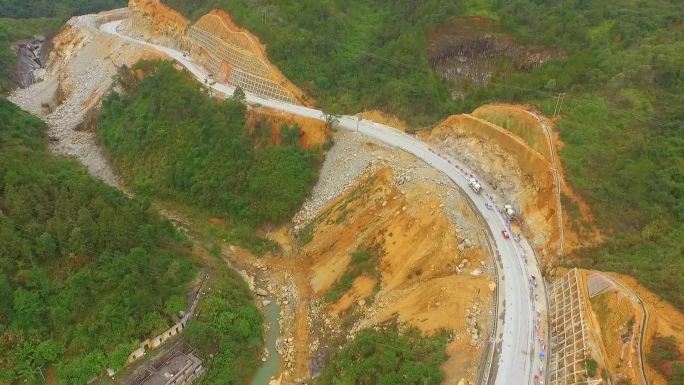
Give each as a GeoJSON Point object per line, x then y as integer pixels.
{"type": "Point", "coordinates": [471, 49]}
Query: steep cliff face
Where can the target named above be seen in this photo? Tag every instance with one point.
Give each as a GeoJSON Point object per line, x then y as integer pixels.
{"type": "Point", "coordinates": [472, 50]}
{"type": "Point", "coordinates": [154, 21]}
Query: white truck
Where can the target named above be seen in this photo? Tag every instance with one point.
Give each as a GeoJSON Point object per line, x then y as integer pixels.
{"type": "Point", "coordinates": [508, 209]}
{"type": "Point", "coordinates": [475, 185]}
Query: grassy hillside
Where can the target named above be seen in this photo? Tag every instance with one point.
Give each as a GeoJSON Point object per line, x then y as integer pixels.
{"type": "Point", "coordinates": [85, 272]}
{"type": "Point", "coordinates": [169, 139]}
{"type": "Point", "coordinates": [622, 120]}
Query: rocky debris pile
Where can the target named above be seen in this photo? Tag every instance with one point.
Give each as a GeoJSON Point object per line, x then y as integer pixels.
{"type": "Point", "coordinates": [328, 331]}
{"type": "Point", "coordinates": [271, 285]}
{"type": "Point", "coordinates": [78, 78]}
{"type": "Point", "coordinates": [464, 245]}
{"type": "Point", "coordinates": [350, 157]}
{"type": "Point", "coordinates": [472, 313]}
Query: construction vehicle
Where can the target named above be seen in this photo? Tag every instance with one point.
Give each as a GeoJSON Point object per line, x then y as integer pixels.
{"type": "Point", "coordinates": [475, 185]}
{"type": "Point", "coordinates": [508, 209]}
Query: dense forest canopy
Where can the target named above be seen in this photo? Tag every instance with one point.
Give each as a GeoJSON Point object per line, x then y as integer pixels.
{"type": "Point", "coordinates": [622, 121]}
{"type": "Point", "coordinates": [227, 330]}
{"type": "Point", "coordinates": [169, 139]}
{"type": "Point", "coordinates": [388, 356]}
{"type": "Point", "coordinates": [85, 273]}
{"type": "Point", "coordinates": [22, 9]}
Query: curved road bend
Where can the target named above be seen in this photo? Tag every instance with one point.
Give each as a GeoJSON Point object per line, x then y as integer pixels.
{"type": "Point", "coordinates": [519, 342]}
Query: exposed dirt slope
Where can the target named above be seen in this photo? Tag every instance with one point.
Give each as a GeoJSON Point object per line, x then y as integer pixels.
{"type": "Point", "coordinates": [664, 320]}
{"type": "Point", "coordinates": [414, 279]}
{"type": "Point", "coordinates": [616, 320]}
{"type": "Point", "coordinates": [229, 30]}
{"type": "Point", "coordinates": [155, 21]}
{"type": "Point", "coordinates": [516, 120]}
{"type": "Point", "coordinates": [384, 118]}
{"type": "Point", "coordinates": [516, 163]}
{"type": "Point", "coordinates": [521, 175]}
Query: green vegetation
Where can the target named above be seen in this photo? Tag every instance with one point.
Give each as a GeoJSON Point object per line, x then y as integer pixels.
{"type": "Point", "coordinates": [227, 330]}
{"type": "Point", "coordinates": [169, 139]}
{"type": "Point", "coordinates": [621, 122]}
{"type": "Point", "coordinates": [350, 54]}
{"type": "Point", "coordinates": [363, 261]}
{"type": "Point", "coordinates": [677, 377]}
{"type": "Point", "coordinates": [85, 273]}
{"type": "Point", "coordinates": [62, 9]}
{"type": "Point", "coordinates": [306, 235]}
{"type": "Point", "coordinates": [666, 357]}
{"type": "Point", "coordinates": [387, 357]}
{"type": "Point", "coordinates": [592, 367]}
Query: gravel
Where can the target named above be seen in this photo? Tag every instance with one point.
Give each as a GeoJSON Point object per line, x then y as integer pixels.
{"type": "Point", "coordinates": [79, 74]}
{"type": "Point", "coordinates": [350, 157]}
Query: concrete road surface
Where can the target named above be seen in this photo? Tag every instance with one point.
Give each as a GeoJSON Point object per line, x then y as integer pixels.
{"type": "Point", "coordinates": [523, 328]}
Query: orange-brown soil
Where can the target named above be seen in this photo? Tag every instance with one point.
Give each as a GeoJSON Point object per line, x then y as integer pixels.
{"type": "Point", "coordinates": [615, 320]}
{"type": "Point", "coordinates": [158, 19]}
{"type": "Point", "coordinates": [228, 30]}
{"type": "Point", "coordinates": [384, 118]}
{"type": "Point", "coordinates": [664, 320]}
{"type": "Point", "coordinates": [510, 148]}
{"type": "Point", "coordinates": [313, 131]}
{"type": "Point", "coordinates": [415, 281]}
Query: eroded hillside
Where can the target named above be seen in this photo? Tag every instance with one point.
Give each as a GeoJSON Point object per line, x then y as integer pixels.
{"type": "Point", "coordinates": [514, 149]}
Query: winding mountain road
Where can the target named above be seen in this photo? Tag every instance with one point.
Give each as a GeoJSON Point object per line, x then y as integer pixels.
{"type": "Point", "coordinates": [522, 332]}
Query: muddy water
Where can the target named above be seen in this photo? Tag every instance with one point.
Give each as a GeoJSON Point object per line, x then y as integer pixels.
{"type": "Point", "coordinates": [271, 367]}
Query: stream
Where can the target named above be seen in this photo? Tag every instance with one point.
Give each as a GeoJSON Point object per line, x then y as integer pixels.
{"type": "Point", "coordinates": [271, 367]}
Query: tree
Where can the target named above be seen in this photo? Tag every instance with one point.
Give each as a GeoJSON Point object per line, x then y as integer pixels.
{"type": "Point", "coordinates": [330, 120]}
{"type": "Point", "coordinates": [290, 135]}
{"type": "Point", "coordinates": [239, 94]}
{"type": "Point", "coordinates": [29, 310]}
{"type": "Point", "coordinates": [46, 247]}
{"type": "Point", "coordinates": [174, 305]}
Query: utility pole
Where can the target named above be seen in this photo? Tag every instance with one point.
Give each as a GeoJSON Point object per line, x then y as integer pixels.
{"type": "Point", "coordinates": [559, 104]}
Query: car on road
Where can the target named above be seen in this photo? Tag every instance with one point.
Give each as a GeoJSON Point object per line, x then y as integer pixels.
{"type": "Point", "coordinates": [505, 234]}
